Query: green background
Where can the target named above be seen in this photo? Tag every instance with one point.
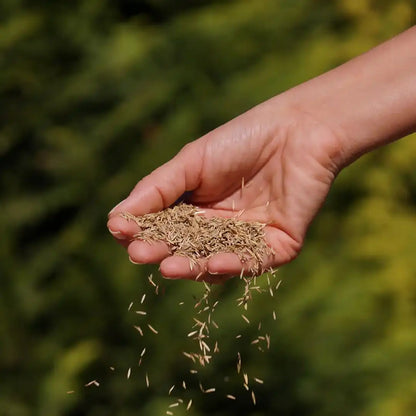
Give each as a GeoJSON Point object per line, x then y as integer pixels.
{"type": "Point", "coordinates": [96, 94]}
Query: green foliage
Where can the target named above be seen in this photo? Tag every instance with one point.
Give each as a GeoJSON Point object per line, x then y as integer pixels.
{"type": "Point", "coordinates": [94, 95]}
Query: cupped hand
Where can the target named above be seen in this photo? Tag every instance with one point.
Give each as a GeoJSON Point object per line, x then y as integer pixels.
{"type": "Point", "coordinates": [271, 165]}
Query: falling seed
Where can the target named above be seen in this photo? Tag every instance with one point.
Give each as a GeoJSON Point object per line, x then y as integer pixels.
{"type": "Point", "coordinates": [168, 412]}
{"type": "Point", "coordinates": [152, 329]}
{"type": "Point", "coordinates": [128, 373]}
{"type": "Point", "coordinates": [150, 278]}
{"type": "Point", "coordinates": [278, 284]}
{"type": "Point", "coordinates": [189, 404]}
{"type": "Point", "coordinates": [181, 303]}
{"type": "Point", "coordinates": [176, 404]}
{"type": "Point", "coordinates": [70, 392]}
{"type": "Point", "coordinates": [138, 329]}
{"type": "Point", "coordinates": [230, 396]}
{"type": "Point", "coordinates": [274, 315]}
{"type": "Point", "coordinates": [245, 318]}
{"type": "Point", "coordinates": [192, 333]}
{"type": "Point", "coordinates": [143, 298]}
{"type": "Point", "coordinates": [93, 382]}
{"type": "Point", "coordinates": [193, 371]}
{"type": "Point", "coordinates": [147, 381]}
{"type": "Point", "coordinates": [131, 304]}
{"type": "Point", "coordinates": [271, 291]}
{"type": "Point", "coordinates": [184, 384]}
{"type": "Point", "coordinates": [143, 352]}
{"type": "Point", "coordinates": [253, 397]}
{"type": "Point", "coordinates": [258, 380]}
{"type": "Point", "coordinates": [141, 313]}
{"type": "Point", "coordinates": [211, 390]}
{"type": "Point", "coordinates": [245, 376]}
{"type": "Point", "coordinates": [171, 389]}
{"type": "Point", "coordinates": [238, 336]}
{"type": "Point", "coordinates": [112, 368]}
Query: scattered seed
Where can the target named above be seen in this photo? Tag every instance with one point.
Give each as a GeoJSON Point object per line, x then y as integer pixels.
{"type": "Point", "coordinates": [112, 368]}
{"type": "Point", "coordinates": [253, 397]}
{"type": "Point", "coordinates": [230, 396]}
{"type": "Point", "coordinates": [274, 315]}
{"type": "Point", "coordinates": [184, 384]}
{"type": "Point", "coordinates": [143, 352]}
{"type": "Point", "coordinates": [141, 313]}
{"type": "Point", "coordinates": [176, 404]}
{"type": "Point", "coordinates": [93, 382]}
{"type": "Point", "coordinates": [152, 329]}
{"type": "Point", "coordinates": [128, 373]}
{"type": "Point", "coordinates": [171, 389]}
{"type": "Point", "coordinates": [211, 390]}
{"type": "Point", "coordinates": [258, 380]}
{"type": "Point", "coordinates": [168, 412]}
{"type": "Point", "coordinates": [131, 304]}
{"type": "Point", "coordinates": [138, 329]}
{"type": "Point", "coordinates": [245, 318]}
{"type": "Point", "coordinates": [147, 381]}
{"type": "Point", "coordinates": [70, 392]}
{"type": "Point", "coordinates": [189, 404]}
{"type": "Point", "coordinates": [143, 298]}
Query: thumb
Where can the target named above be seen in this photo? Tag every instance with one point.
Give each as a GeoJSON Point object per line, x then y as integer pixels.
{"type": "Point", "coordinates": [166, 184]}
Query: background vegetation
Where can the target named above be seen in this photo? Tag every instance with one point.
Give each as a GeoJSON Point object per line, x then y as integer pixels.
{"type": "Point", "coordinates": [93, 96]}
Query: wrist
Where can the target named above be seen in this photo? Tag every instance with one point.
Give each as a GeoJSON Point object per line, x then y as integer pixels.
{"type": "Point", "coordinates": [365, 103]}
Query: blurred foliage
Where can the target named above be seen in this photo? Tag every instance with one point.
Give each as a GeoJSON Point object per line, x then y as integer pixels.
{"type": "Point", "coordinates": [94, 95]}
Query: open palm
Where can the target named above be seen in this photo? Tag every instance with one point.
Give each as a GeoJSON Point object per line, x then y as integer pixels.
{"type": "Point", "coordinates": [270, 167]}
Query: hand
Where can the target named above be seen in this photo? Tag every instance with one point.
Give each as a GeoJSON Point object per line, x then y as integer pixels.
{"type": "Point", "coordinates": [287, 162]}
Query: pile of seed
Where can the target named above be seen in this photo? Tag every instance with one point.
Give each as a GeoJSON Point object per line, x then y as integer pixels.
{"type": "Point", "coordinates": [187, 232]}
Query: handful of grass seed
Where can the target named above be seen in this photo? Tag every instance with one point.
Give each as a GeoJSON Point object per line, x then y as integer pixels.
{"type": "Point", "coordinates": [188, 233]}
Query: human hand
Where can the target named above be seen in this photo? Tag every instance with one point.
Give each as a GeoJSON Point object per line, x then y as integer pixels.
{"type": "Point", "coordinates": [276, 165]}
{"type": "Point", "coordinates": [287, 151]}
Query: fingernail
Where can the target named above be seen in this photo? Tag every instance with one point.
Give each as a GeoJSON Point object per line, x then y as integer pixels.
{"type": "Point", "coordinates": [134, 262]}
{"type": "Point", "coordinates": [168, 278]}
{"type": "Point", "coordinates": [117, 234]}
{"type": "Point", "coordinates": [116, 206]}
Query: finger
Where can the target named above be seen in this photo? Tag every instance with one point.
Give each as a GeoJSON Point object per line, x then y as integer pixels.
{"type": "Point", "coordinates": [164, 185]}
{"type": "Point", "coordinates": [142, 252]}
{"type": "Point", "coordinates": [121, 229]}
{"type": "Point", "coordinates": [179, 267]}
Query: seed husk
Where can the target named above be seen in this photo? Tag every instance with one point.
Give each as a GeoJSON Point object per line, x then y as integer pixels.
{"type": "Point", "coordinates": [188, 233]}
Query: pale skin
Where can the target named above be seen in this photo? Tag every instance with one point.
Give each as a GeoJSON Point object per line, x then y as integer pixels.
{"type": "Point", "coordinates": [288, 149]}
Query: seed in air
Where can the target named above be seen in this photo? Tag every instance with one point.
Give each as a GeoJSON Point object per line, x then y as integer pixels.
{"type": "Point", "coordinates": [211, 390]}
{"type": "Point", "coordinates": [258, 380]}
{"type": "Point", "coordinates": [138, 329]}
{"type": "Point", "coordinates": [143, 298]}
{"type": "Point", "coordinates": [128, 373]}
{"type": "Point", "coordinates": [253, 397]}
{"type": "Point", "coordinates": [184, 384]}
{"type": "Point", "coordinates": [189, 404]}
{"type": "Point", "coordinates": [230, 396]}
{"type": "Point", "coordinates": [245, 318]}
{"type": "Point", "coordinates": [70, 392]}
{"type": "Point", "coordinates": [152, 329]}
{"type": "Point", "coordinates": [93, 382]}
{"type": "Point", "coordinates": [171, 389]}
{"type": "Point", "coordinates": [168, 412]}
{"type": "Point", "coordinates": [131, 304]}
{"type": "Point", "coordinates": [176, 404]}
{"type": "Point", "coordinates": [274, 315]}
{"type": "Point", "coordinates": [141, 313]}
{"type": "Point", "coordinates": [143, 352]}
{"type": "Point", "coordinates": [147, 381]}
